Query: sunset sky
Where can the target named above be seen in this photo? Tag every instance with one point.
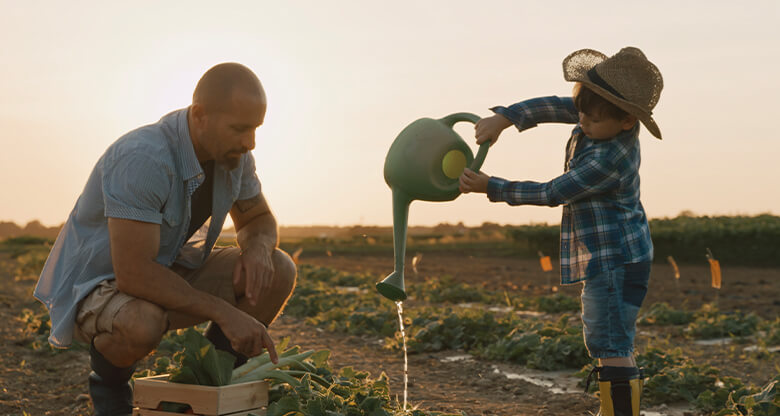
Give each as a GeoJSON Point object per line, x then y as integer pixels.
{"type": "Point", "coordinates": [343, 78]}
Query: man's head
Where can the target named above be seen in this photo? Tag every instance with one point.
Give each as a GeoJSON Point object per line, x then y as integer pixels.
{"type": "Point", "coordinates": [599, 118]}
{"type": "Point", "coordinates": [228, 105]}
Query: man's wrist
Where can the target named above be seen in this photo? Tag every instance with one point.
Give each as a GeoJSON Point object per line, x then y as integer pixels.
{"type": "Point", "coordinates": [220, 310]}
{"type": "Point", "coordinates": [257, 247]}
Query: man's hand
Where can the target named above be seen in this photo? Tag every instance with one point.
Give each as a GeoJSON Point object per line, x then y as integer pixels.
{"type": "Point", "coordinates": [256, 267]}
{"type": "Point", "coordinates": [489, 128]}
{"type": "Point", "coordinates": [258, 238]}
{"type": "Point", "coordinates": [471, 181]}
{"type": "Point", "coordinates": [247, 335]}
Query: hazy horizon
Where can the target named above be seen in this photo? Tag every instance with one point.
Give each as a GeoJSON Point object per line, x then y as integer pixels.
{"type": "Point", "coordinates": [683, 213]}
{"type": "Point", "coordinates": [344, 77]}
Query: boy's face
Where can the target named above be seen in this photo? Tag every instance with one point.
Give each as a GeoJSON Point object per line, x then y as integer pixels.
{"type": "Point", "coordinates": [598, 127]}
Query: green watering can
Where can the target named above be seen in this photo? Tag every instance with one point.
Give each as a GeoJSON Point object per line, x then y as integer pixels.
{"type": "Point", "coordinates": [424, 162]}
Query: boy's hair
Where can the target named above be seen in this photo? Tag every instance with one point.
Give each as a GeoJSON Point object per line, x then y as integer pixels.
{"type": "Point", "coordinates": [590, 103]}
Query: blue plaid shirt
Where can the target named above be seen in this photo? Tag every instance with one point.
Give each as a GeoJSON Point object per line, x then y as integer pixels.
{"type": "Point", "coordinates": [603, 224]}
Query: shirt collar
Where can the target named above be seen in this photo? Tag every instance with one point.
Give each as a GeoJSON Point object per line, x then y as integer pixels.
{"type": "Point", "coordinates": [188, 161]}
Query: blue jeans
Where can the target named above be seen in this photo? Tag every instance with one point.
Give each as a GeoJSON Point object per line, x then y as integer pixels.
{"type": "Point", "coordinates": [610, 304]}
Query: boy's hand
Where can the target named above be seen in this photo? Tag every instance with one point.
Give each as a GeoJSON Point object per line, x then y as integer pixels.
{"type": "Point", "coordinates": [489, 128]}
{"type": "Point", "coordinates": [471, 181]}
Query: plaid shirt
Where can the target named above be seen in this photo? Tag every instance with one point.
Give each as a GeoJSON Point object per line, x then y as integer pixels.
{"type": "Point", "coordinates": [603, 224]}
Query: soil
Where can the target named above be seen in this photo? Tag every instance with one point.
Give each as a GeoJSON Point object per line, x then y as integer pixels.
{"type": "Point", "coordinates": [36, 382]}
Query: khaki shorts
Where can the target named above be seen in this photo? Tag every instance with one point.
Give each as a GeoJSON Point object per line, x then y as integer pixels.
{"type": "Point", "coordinates": [96, 312]}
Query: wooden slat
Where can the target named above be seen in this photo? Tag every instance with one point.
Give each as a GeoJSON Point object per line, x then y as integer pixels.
{"type": "Point", "coordinates": [243, 396]}
{"type": "Point", "coordinates": [149, 412]}
{"type": "Point", "coordinates": [149, 392]}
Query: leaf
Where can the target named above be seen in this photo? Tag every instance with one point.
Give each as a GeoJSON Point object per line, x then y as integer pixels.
{"type": "Point", "coordinates": [282, 345]}
{"type": "Point", "coordinates": [767, 395]}
{"type": "Point", "coordinates": [184, 375]}
{"type": "Point", "coordinates": [201, 363]}
{"type": "Point", "coordinates": [286, 406]}
{"type": "Point", "coordinates": [218, 365]}
{"type": "Point", "coordinates": [320, 357]}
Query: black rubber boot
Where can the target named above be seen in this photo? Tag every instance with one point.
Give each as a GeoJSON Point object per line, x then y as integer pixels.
{"type": "Point", "coordinates": [620, 390]}
{"type": "Point", "coordinates": [109, 386]}
{"type": "Point", "coordinates": [217, 337]}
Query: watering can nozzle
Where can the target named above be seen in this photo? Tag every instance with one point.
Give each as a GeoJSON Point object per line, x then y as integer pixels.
{"type": "Point", "coordinates": [392, 287]}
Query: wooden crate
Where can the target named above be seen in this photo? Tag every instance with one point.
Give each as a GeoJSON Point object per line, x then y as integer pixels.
{"type": "Point", "coordinates": [234, 400]}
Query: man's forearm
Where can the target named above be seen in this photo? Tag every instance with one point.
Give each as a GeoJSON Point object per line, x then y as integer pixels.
{"type": "Point", "coordinates": [260, 233]}
{"type": "Point", "coordinates": [160, 285]}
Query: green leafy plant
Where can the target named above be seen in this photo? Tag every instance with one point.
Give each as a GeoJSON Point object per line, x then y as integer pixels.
{"type": "Point", "coordinates": [710, 323]}
{"type": "Point", "coordinates": [556, 303]}
{"type": "Point", "coordinates": [663, 314]}
{"type": "Point", "coordinates": [753, 401]}
{"type": "Point", "coordinates": [36, 328]}
{"type": "Point", "coordinates": [436, 330]}
{"type": "Point", "coordinates": [200, 363]}
{"type": "Point", "coordinates": [771, 333]}
{"type": "Point", "coordinates": [351, 393]}
{"type": "Point", "coordinates": [541, 345]}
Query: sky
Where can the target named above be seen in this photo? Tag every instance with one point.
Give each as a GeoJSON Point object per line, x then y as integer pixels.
{"type": "Point", "coordinates": [343, 78]}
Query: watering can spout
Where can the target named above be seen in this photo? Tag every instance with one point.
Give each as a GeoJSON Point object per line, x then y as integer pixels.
{"type": "Point", "coordinates": [392, 287]}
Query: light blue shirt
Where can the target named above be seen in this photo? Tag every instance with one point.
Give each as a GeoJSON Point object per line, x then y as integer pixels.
{"type": "Point", "coordinates": [148, 175]}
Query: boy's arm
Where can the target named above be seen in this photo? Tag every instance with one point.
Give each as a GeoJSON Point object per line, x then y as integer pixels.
{"type": "Point", "coordinates": [530, 113]}
{"type": "Point", "coordinates": [524, 115]}
{"type": "Point", "coordinates": [594, 177]}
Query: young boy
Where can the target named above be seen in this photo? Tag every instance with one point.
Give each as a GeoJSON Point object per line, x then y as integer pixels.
{"type": "Point", "coordinates": [605, 238]}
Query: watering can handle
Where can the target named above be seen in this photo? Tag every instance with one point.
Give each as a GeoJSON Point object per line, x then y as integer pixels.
{"type": "Point", "coordinates": [450, 121]}
{"type": "Point", "coordinates": [480, 157]}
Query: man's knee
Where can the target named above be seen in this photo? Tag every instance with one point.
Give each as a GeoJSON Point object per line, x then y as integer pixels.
{"type": "Point", "coordinates": [140, 325]}
{"type": "Point", "coordinates": [285, 271]}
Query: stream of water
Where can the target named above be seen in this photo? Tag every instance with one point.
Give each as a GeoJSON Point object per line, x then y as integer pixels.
{"type": "Point", "coordinates": [403, 335]}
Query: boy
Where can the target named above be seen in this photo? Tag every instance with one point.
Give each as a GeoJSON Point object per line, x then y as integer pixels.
{"type": "Point", "coordinates": [605, 237]}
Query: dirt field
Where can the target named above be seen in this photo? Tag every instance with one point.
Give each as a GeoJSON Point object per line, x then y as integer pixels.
{"type": "Point", "coordinates": [42, 383]}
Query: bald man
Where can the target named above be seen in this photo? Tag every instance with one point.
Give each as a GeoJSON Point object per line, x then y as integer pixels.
{"type": "Point", "coordinates": [136, 256]}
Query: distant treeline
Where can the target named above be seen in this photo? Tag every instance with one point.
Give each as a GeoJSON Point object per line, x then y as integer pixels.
{"type": "Point", "coordinates": [747, 241]}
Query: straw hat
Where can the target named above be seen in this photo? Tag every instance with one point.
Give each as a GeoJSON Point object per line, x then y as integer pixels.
{"type": "Point", "coordinates": [626, 79]}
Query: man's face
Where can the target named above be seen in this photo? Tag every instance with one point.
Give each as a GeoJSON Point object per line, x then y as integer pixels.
{"type": "Point", "coordinates": [230, 132]}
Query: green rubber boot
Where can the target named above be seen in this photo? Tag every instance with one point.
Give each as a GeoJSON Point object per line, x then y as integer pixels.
{"type": "Point", "coordinates": [109, 386]}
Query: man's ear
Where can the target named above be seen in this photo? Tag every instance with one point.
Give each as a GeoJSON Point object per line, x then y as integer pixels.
{"type": "Point", "coordinates": [198, 114]}
{"type": "Point", "coordinates": [629, 121]}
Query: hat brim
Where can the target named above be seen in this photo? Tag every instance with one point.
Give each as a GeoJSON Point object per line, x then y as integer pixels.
{"type": "Point", "coordinates": [575, 69]}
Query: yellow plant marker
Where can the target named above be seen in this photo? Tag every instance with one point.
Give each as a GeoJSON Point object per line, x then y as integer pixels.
{"type": "Point", "coordinates": [415, 261]}
{"type": "Point", "coordinates": [546, 263]}
{"type": "Point", "coordinates": [674, 266]}
{"type": "Point", "coordinates": [715, 271]}
{"type": "Point", "coordinates": [297, 254]}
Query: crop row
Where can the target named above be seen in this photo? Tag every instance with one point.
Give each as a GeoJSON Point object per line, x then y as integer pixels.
{"type": "Point", "coordinates": [323, 299]}
{"type": "Point", "coordinates": [320, 390]}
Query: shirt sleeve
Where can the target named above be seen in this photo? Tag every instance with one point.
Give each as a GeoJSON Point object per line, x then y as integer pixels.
{"type": "Point", "coordinates": [250, 184]}
{"type": "Point", "coordinates": [530, 113]}
{"type": "Point", "coordinates": [136, 188]}
{"type": "Point", "coordinates": [595, 176]}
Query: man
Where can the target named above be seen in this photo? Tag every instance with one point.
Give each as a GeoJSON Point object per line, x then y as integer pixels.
{"type": "Point", "coordinates": [135, 257]}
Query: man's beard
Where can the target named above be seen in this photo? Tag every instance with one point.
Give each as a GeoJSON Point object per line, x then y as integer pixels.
{"type": "Point", "coordinates": [228, 162]}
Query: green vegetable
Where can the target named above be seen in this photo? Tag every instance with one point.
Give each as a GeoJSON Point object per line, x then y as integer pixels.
{"type": "Point", "coordinates": [201, 363]}
{"type": "Point", "coordinates": [261, 368]}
